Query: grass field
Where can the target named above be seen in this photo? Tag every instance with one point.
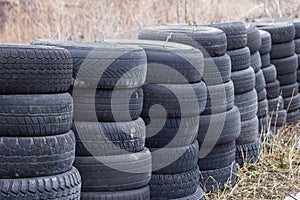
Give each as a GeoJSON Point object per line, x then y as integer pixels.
{"type": "Point", "coordinates": [277, 173]}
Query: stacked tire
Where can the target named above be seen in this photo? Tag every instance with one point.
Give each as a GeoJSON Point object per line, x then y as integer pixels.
{"type": "Point", "coordinates": [110, 137]}
{"type": "Point", "coordinates": [243, 78]}
{"type": "Point", "coordinates": [217, 145]}
{"type": "Point", "coordinates": [175, 95]}
{"type": "Point", "coordinates": [37, 147]}
{"type": "Point", "coordinates": [285, 60]}
{"type": "Point", "coordinates": [277, 115]}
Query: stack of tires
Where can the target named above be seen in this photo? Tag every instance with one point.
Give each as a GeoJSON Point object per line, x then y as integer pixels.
{"type": "Point", "coordinates": [285, 60]}
{"type": "Point", "coordinates": [254, 44]}
{"type": "Point", "coordinates": [175, 95]}
{"type": "Point", "coordinates": [220, 122]}
{"type": "Point", "coordinates": [243, 78]}
{"type": "Point", "coordinates": [110, 137]}
{"type": "Point", "coordinates": [37, 147]}
{"type": "Point", "coordinates": [277, 115]}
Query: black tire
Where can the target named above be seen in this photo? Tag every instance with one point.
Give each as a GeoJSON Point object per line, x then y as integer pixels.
{"type": "Point", "coordinates": [278, 118]}
{"type": "Point", "coordinates": [292, 117]}
{"type": "Point", "coordinates": [211, 41]}
{"type": "Point", "coordinates": [270, 73]}
{"type": "Point", "coordinates": [266, 42]}
{"type": "Point", "coordinates": [175, 160]}
{"type": "Point", "coordinates": [297, 46]}
{"type": "Point", "coordinates": [177, 100]}
{"type": "Point", "coordinates": [217, 70]}
{"type": "Point", "coordinates": [265, 60]}
{"type": "Point", "coordinates": [253, 38]}
{"type": "Point", "coordinates": [198, 195]}
{"type": "Point", "coordinates": [260, 82]}
{"type": "Point", "coordinates": [227, 127]}
{"type": "Point", "coordinates": [216, 179]}
{"type": "Point", "coordinates": [220, 98]}
{"type": "Point", "coordinates": [289, 90]}
{"type": "Point", "coordinates": [273, 89]}
{"type": "Point", "coordinates": [118, 172]}
{"type": "Point", "coordinates": [298, 75]}
{"type": "Point", "coordinates": [247, 104]}
{"type": "Point", "coordinates": [292, 103]}
{"type": "Point", "coordinates": [99, 139]}
{"type": "Point", "coordinates": [35, 114]}
{"type": "Point", "coordinates": [249, 131]}
{"type": "Point", "coordinates": [172, 186]}
{"type": "Point", "coordinates": [62, 186]}
{"type": "Point", "coordinates": [169, 62]}
{"type": "Point", "coordinates": [106, 65]}
{"type": "Point", "coordinates": [240, 58]}
{"type": "Point", "coordinates": [287, 79]}
{"type": "Point", "coordinates": [286, 65]}
{"type": "Point", "coordinates": [235, 32]}
{"type": "Point", "coordinates": [243, 80]}
{"type": "Point", "coordinates": [282, 50]}
{"type": "Point", "coordinates": [262, 109]}
{"type": "Point", "coordinates": [248, 153]}
{"type": "Point", "coordinates": [171, 132]}
{"type": "Point", "coordinates": [280, 32]}
{"type": "Point", "coordinates": [275, 104]}
{"type": "Point", "coordinates": [220, 156]}
{"type": "Point", "coordinates": [27, 69]}
{"type": "Point", "coordinates": [256, 61]}
{"type": "Point", "coordinates": [22, 157]}
{"type": "Point", "coordinates": [91, 105]}
{"type": "Point", "coordinates": [137, 194]}
{"type": "Point", "coordinates": [261, 95]}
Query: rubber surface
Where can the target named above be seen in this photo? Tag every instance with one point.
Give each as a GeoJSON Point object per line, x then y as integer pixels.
{"type": "Point", "coordinates": [240, 58]}
{"type": "Point", "coordinates": [247, 104]}
{"type": "Point", "coordinates": [243, 80]}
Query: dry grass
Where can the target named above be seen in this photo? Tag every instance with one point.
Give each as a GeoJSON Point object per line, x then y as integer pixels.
{"type": "Point", "coordinates": [87, 20]}
{"type": "Point", "coordinates": [276, 174]}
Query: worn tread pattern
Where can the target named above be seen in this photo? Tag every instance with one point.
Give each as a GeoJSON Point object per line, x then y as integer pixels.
{"type": "Point", "coordinates": [249, 131]}
{"type": "Point", "coordinates": [265, 60]}
{"type": "Point", "coordinates": [287, 79]}
{"type": "Point", "coordinates": [270, 73]}
{"type": "Point", "coordinates": [247, 104]}
{"type": "Point", "coordinates": [240, 58]}
{"type": "Point", "coordinates": [256, 61]}
{"type": "Point", "coordinates": [243, 80]}
{"type": "Point", "coordinates": [248, 153]}
{"type": "Point", "coordinates": [286, 65]}
{"type": "Point", "coordinates": [254, 41]}
{"type": "Point", "coordinates": [260, 82]}
{"type": "Point", "coordinates": [273, 89]}
{"type": "Point", "coordinates": [266, 42]}
{"type": "Point", "coordinates": [282, 50]}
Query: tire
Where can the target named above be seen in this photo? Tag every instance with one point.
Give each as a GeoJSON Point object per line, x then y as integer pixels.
{"type": "Point", "coordinates": [292, 103]}
{"type": "Point", "coordinates": [175, 160]}
{"type": "Point", "coordinates": [219, 157]}
{"type": "Point", "coordinates": [171, 132]}
{"type": "Point", "coordinates": [262, 110]}
{"type": "Point", "coordinates": [253, 38]}
{"type": "Point", "coordinates": [261, 95]}
{"type": "Point", "coordinates": [273, 89]}
{"type": "Point", "coordinates": [280, 32]}
{"type": "Point", "coordinates": [278, 118]}
{"type": "Point", "coordinates": [177, 100]}
{"type": "Point", "coordinates": [100, 139]}
{"type": "Point", "coordinates": [217, 70]}
{"type": "Point", "coordinates": [256, 61]}
{"type": "Point", "coordinates": [220, 98]}
{"type": "Point", "coordinates": [27, 69]}
{"type": "Point", "coordinates": [240, 59]}
{"type": "Point", "coordinates": [249, 131]}
{"type": "Point", "coordinates": [282, 50]}
{"type": "Point", "coordinates": [270, 73]}
{"type": "Point", "coordinates": [260, 82]}
{"type": "Point", "coordinates": [266, 42]}
{"type": "Point", "coordinates": [286, 65]}
{"type": "Point", "coordinates": [211, 42]}
{"type": "Point", "coordinates": [292, 117]}
{"type": "Point", "coordinates": [119, 172]}
{"type": "Point", "coordinates": [297, 46]}
{"type": "Point", "coordinates": [247, 104]}
{"type": "Point", "coordinates": [248, 153]}
{"type": "Point", "coordinates": [228, 131]}
{"type": "Point", "coordinates": [243, 80]}
{"type": "Point", "coordinates": [62, 186]}
{"type": "Point", "coordinates": [107, 105]}
{"type": "Point", "coordinates": [174, 63]}
{"type": "Point", "coordinates": [172, 186]}
{"type": "Point", "coordinates": [216, 179]}
{"type": "Point", "coordinates": [287, 79]}
{"type": "Point", "coordinates": [275, 104]}
{"type": "Point", "coordinates": [265, 60]}
{"type": "Point", "coordinates": [106, 66]}
{"type": "Point", "coordinates": [289, 90]}
{"type": "Point", "coordinates": [137, 194]}
{"type": "Point", "coordinates": [35, 114]}
{"type": "Point", "coordinates": [235, 32]}
{"type": "Point", "coordinates": [198, 195]}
